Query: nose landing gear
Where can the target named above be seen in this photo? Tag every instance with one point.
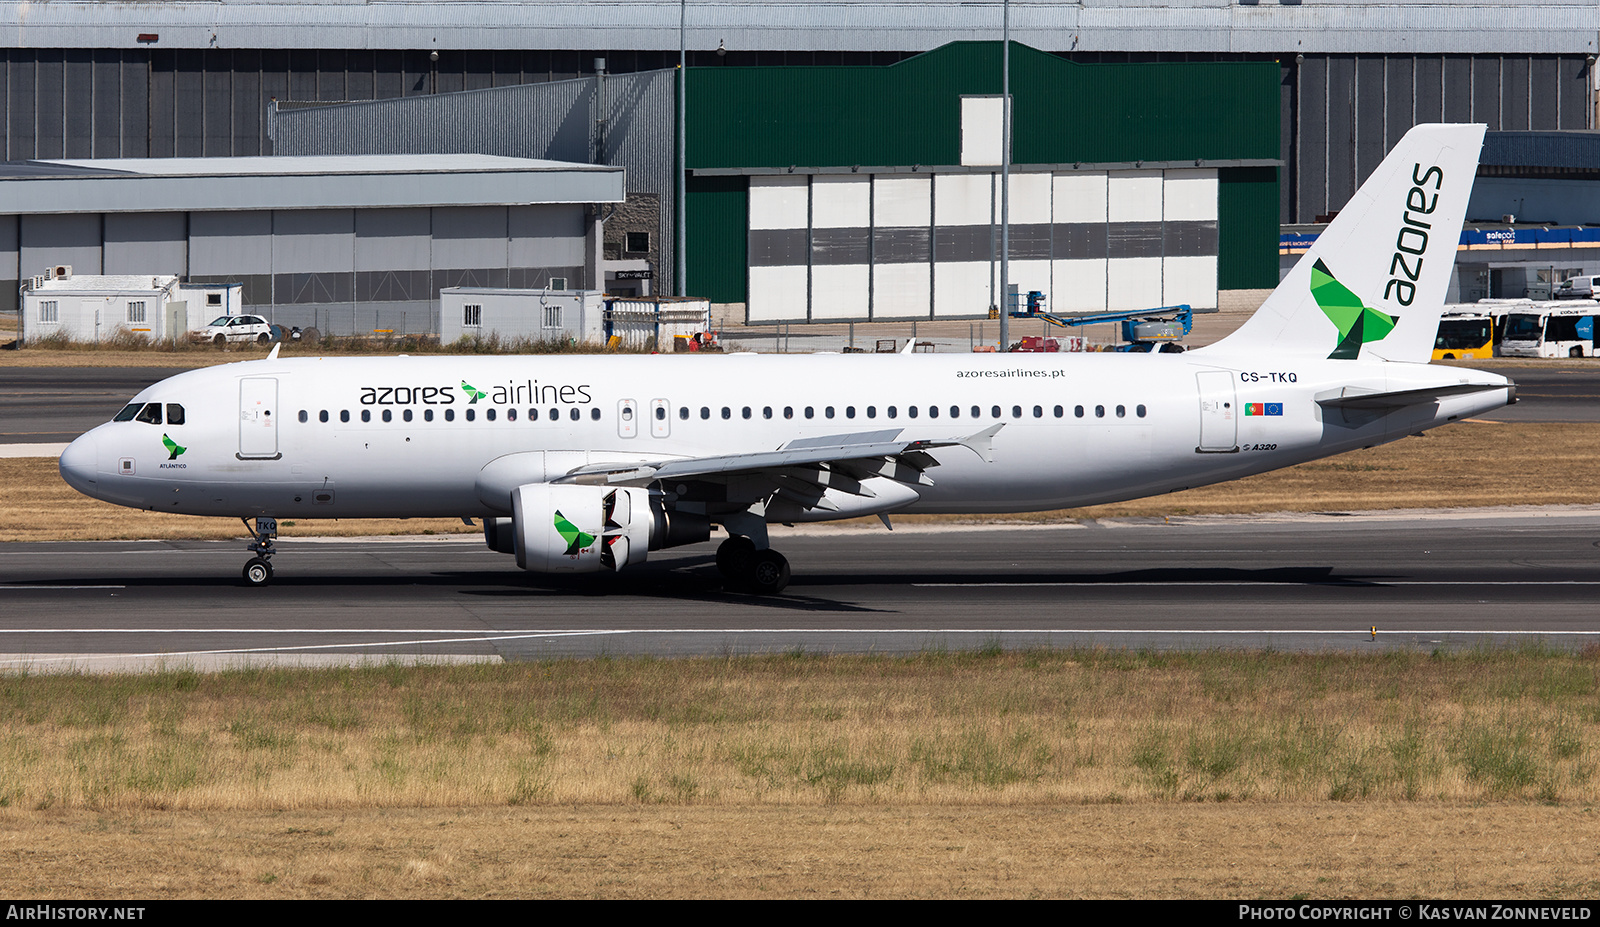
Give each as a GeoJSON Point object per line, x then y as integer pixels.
{"type": "Point", "coordinates": [258, 569]}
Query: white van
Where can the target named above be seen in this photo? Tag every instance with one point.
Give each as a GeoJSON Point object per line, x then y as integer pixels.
{"type": "Point", "coordinates": [1582, 287]}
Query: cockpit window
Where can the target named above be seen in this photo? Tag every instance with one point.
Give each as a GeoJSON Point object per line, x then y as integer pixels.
{"type": "Point", "coordinates": [151, 413]}
{"type": "Point", "coordinates": [128, 412]}
{"type": "Point", "coordinates": [174, 414]}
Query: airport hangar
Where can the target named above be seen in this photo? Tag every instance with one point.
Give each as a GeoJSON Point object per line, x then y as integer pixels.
{"type": "Point", "coordinates": [342, 244]}
{"type": "Point", "coordinates": [1348, 79]}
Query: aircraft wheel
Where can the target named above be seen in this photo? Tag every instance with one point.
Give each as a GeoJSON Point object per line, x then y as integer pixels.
{"type": "Point", "coordinates": [769, 572]}
{"type": "Point", "coordinates": [257, 572]}
{"type": "Point", "coordinates": [734, 556]}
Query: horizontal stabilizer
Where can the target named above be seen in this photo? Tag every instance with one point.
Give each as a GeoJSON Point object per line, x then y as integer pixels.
{"type": "Point", "coordinates": [1352, 398]}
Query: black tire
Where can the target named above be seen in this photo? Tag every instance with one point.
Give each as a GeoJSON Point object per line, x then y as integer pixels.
{"type": "Point", "coordinates": [263, 338]}
{"type": "Point", "coordinates": [733, 558]}
{"type": "Point", "coordinates": [221, 341]}
{"type": "Point", "coordinates": [769, 572]}
{"type": "Point", "coordinates": [257, 572]}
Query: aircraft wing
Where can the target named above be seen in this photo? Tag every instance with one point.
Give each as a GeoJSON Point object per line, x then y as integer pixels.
{"type": "Point", "coordinates": [1355, 398]}
{"type": "Point", "coordinates": [893, 447]}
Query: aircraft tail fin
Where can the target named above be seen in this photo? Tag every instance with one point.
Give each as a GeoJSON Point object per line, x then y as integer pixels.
{"type": "Point", "coordinates": [1373, 283]}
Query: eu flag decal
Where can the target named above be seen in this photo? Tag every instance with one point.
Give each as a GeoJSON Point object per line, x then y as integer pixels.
{"type": "Point", "coordinates": [1263, 408]}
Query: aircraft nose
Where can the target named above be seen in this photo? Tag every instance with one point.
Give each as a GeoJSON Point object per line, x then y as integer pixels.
{"type": "Point", "coordinates": [79, 464]}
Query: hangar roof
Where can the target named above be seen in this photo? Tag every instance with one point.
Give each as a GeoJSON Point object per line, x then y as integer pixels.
{"type": "Point", "coordinates": [1311, 26]}
{"type": "Point", "coordinates": [317, 182]}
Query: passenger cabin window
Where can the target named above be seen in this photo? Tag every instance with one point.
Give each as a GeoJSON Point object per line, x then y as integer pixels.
{"type": "Point", "coordinates": [304, 416]}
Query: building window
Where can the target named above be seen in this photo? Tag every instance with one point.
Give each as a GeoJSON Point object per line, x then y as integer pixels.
{"type": "Point", "coordinates": [213, 299]}
{"type": "Point", "coordinates": [49, 311]}
{"type": "Point", "coordinates": [558, 283]}
{"type": "Point", "coordinates": [637, 242]}
{"type": "Point", "coordinates": [552, 317]}
{"type": "Point", "coordinates": [472, 316]}
{"type": "Point", "coordinates": [136, 310]}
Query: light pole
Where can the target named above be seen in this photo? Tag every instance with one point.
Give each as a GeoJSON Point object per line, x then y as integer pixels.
{"type": "Point", "coordinates": [1005, 180]}
{"type": "Point", "coordinates": [683, 163]}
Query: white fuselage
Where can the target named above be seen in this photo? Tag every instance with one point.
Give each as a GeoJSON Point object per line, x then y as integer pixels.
{"type": "Point", "coordinates": [254, 440]}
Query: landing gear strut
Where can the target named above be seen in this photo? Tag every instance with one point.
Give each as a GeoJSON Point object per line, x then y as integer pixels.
{"type": "Point", "coordinates": [258, 569]}
{"type": "Point", "coordinates": [763, 572]}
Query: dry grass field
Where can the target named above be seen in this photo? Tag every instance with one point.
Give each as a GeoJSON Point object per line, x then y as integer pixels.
{"type": "Point", "coordinates": [1465, 465]}
{"type": "Point", "coordinates": [1051, 773]}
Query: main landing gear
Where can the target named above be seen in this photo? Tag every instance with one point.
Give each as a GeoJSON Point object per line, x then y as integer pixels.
{"type": "Point", "coordinates": [258, 569]}
{"type": "Point", "coordinates": [763, 572]}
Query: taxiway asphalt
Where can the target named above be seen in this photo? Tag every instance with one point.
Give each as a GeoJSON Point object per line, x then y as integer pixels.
{"type": "Point", "coordinates": [1322, 582]}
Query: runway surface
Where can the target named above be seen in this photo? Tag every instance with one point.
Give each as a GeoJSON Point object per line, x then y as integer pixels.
{"type": "Point", "coordinates": [1444, 581]}
{"type": "Point", "coordinates": [53, 405]}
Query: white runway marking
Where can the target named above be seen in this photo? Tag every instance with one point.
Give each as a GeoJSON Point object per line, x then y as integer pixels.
{"type": "Point", "coordinates": [1328, 581]}
{"type": "Point", "coordinates": [479, 637]}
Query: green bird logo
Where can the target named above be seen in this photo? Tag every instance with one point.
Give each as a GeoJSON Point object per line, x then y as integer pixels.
{"type": "Point", "coordinates": [1357, 323]}
{"type": "Point", "coordinates": [473, 393]}
{"type": "Point", "coordinates": [173, 448]}
{"type": "Point", "coordinates": [576, 539]}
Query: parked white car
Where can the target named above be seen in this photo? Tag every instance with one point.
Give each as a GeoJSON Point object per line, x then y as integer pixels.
{"type": "Point", "coordinates": [224, 329]}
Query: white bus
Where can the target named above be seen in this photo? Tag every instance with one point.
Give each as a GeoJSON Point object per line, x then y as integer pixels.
{"type": "Point", "coordinates": [1550, 329]}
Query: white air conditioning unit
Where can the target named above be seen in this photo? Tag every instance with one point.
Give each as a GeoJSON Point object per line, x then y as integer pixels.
{"type": "Point", "coordinates": [62, 272]}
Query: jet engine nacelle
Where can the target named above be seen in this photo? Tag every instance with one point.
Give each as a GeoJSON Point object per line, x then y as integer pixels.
{"type": "Point", "coordinates": [580, 529]}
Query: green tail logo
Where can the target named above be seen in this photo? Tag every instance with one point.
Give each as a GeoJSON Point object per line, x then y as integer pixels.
{"type": "Point", "coordinates": [173, 448]}
{"type": "Point", "coordinates": [1357, 323]}
{"type": "Point", "coordinates": [473, 393]}
{"type": "Point", "coordinates": [576, 539]}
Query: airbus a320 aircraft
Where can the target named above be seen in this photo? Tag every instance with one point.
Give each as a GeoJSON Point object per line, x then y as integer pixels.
{"type": "Point", "coordinates": [585, 464]}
